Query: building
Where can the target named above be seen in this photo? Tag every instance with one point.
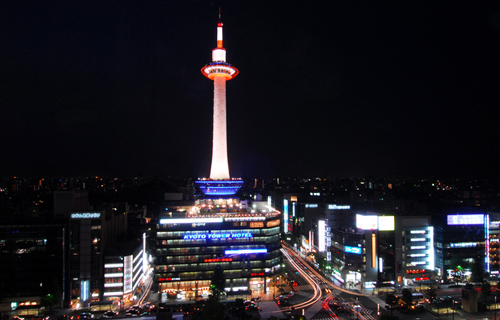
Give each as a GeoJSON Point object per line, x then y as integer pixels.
{"type": "Point", "coordinates": [88, 240]}
{"type": "Point", "coordinates": [126, 274]}
{"type": "Point", "coordinates": [240, 236]}
{"type": "Point", "coordinates": [31, 262]}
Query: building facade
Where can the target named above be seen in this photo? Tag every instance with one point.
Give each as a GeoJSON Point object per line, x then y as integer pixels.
{"type": "Point", "coordinates": [241, 237]}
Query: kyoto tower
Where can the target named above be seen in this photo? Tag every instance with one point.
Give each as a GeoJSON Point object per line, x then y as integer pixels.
{"type": "Point", "coordinates": [220, 183]}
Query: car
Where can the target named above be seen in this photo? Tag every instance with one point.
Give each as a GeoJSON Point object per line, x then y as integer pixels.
{"type": "Point", "coordinates": [251, 307]}
{"type": "Point", "coordinates": [110, 314]}
{"type": "Point", "coordinates": [63, 317]}
{"type": "Point", "coordinates": [132, 313]}
{"type": "Point", "coordinates": [282, 302]}
{"type": "Point", "coordinates": [84, 315]}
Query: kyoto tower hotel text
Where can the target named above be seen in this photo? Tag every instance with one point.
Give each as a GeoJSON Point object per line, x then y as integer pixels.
{"type": "Point", "coordinates": [219, 229]}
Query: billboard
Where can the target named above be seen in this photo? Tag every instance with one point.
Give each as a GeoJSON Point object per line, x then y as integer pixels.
{"type": "Point", "coordinates": [386, 223]}
{"type": "Point", "coordinates": [366, 222]}
{"type": "Point", "coordinates": [355, 250]}
{"type": "Point", "coordinates": [321, 235]}
{"type": "Point", "coordinates": [465, 219]}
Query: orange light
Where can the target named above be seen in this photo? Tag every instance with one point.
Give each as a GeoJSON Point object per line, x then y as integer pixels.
{"type": "Point", "coordinates": [374, 250]}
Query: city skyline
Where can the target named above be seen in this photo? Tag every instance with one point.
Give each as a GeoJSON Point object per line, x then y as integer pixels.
{"type": "Point", "coordinates": [344, 89]}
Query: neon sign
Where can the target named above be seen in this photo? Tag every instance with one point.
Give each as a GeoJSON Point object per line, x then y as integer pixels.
{"type": "Point", "coordinates": [217, 236]}
{"type": "Point", "coordinates": [257, 274]}
{"type": "Point", "coordinates": [244, 251]}
{"type": "Point", "coordinates": [355, 250]}
{"type": "Point", "coordinates": [191, 220]}
{"type": "Point", "coordinates": [86, 215]}
{"type": "Point", "coordinates": [464, 219]}
{"type": "Point", "coordinates": [415, 271]}
{"type": "Point", "coordinates": [273, 223]}
{"type": "Point", "coordinates": [219, 260]}
{"type": "Point", "coordinates": [168, 279]}
{"type": "Point", "coordinates": [336, 207]}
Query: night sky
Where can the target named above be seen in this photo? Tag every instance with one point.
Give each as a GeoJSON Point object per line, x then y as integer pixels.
{"type": "Point", "coordinates": [325, 88]}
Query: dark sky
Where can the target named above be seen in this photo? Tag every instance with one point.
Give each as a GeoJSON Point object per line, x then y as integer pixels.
{"type": "Point", "coordinates": [346, 89]}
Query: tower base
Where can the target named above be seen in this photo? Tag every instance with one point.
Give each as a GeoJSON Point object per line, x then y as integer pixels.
{"type": "Point", "coordinates": [219, 187]}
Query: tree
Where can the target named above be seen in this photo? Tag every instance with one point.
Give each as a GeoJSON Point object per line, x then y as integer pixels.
{"type": "Point", "coordinates": [51, 291]}
{"type": "Point", "coordinates": [477, 272]}
{"type": "Point", "coordinates": [213, 310]}
{"type": "Point", "coordinates": [485, 290]}
{"type": "Point", "coordinates": [407, 296]}
{"type": "Point", "coordinates": [458, 264]}
{"type": "Point", "coordinates": [218, 282]}
{"type": "Point", "coordinates": [431, 294]}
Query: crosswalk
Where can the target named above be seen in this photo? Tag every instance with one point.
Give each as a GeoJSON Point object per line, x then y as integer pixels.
{"type": "Point", "coordinates": [304, 287]}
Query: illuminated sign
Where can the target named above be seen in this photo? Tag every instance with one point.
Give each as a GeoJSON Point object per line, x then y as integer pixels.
{"type": "Point", "coordinates": [355, 250]}
{"type": "Point", "coordinates": [245, 251]}
{"type": "Point", "coordinates": [386, 223]}
{"type": "Point", "coordinates": [217, 236]}
{"type": "Point", "coordinates": [336, 207]}
{"type": "Point", "coordinates": [260, 274]}
{"type": "Point", "coordinates": [418, 239]}
{"type": "Point", "coordinates": [84, 290]}
{"type": "Point", "coordinates": [219, 260]}
{"type": "Point", "coordinates": [321, 236]}
{"type": "Point", "coordinates": [273, 223]}
{"type": "Point", "coordinates": [416, 263]}
{"type": "Point", "coordinates": [86, 215]}
{"type": "Point", "coordinates": [418, 247]}
{"type": "Point", "coordinates": [417, 231]}
{"type": "Point", "coordinates": [244, 219]}
{"type": "Point", "coordinates": [421, 279]}
{"type": "Point", "coordinates": [465, 219]}
{"type": "Point", "coordinates": [128, 273]}
{"type": "Point", "coordinates": [417, 255]}
{"type": "Point", "coordinates": [168, 279]}
{"type": "Point", "coordinates": [366, 222]}
{"type": "Point", "coordinates": [256, 224]}
{"type": "Point", "coordinates": [415, 271]}
{"type": "Point", "coordinates": [463, 244]}
{"type": "Point", "coordinates": [374, 250]}
{"type": "Point", "coordinates": [285, 215]}
{"type": "Point", "coordinates": [190, 220]}
{"type": "Point", "coordinates": [311, 205]}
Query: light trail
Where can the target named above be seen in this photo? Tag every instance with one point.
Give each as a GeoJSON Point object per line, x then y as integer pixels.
{"type": "Point", "coordinates": [310, 268]}
{"type": "Point", "coordinates": [314, 285]}
{"type": "Point", "coordinates": [288, 252]}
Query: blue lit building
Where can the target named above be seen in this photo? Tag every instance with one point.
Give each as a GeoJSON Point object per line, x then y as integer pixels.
{"type": "Point", "coordinates": [242, 237]}
{"type": "Point", "coordinates": [467, 234]}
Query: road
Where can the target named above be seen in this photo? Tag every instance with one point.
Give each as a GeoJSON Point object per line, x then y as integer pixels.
{"type": "Point", "coordinates": [366, 306]}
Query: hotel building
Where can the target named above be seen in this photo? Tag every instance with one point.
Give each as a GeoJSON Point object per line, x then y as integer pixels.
{"type": "Point", "coordinates": [242, 237]}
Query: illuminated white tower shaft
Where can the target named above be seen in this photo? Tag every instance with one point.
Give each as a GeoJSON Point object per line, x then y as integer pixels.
{"type": "Point", "coordinates": [220, 166]}
{"type": "Point", "coordinates": [219, 71]}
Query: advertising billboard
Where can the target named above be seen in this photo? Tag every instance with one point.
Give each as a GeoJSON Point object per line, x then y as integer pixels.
{"type": "Point", "coordinates": [386, 223]}
{"type": "Point", "coordinates": [366, 222]}
{"type": "Point", "coordinates": [355, 250]}
{"type": "Point", "coordinates": [465, 219]}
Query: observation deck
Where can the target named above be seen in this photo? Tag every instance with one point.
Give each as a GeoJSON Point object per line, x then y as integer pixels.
{"type": "Point", "coordinates": [219, 69]}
